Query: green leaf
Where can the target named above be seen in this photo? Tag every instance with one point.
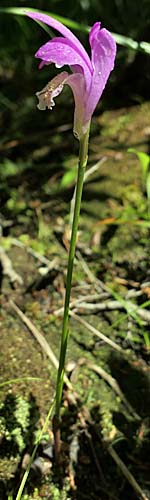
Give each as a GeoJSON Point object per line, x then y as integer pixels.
{"type": "Point", "coordinates": [148, 186]}
{"type": "Point", "coordinates": [147, 340]}
{"type": "Point", "coordinates": [120, 39]}
{"type": "Point", "coordinates": [69, 178]}
{"type": "Point", "coordinates": [8, 168]}
{"type": "Point", "coordinates": [18, 380]}
{"type": "Point", "coordinates": [144, 161]}
{"type": "Point", "coordinates": [19, 11]}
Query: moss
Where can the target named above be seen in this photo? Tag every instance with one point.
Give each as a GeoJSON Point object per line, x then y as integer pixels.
{"type": "Point", "coordinates": [50, 491]}
{"type": "Point", "coordinates": [14, 420]}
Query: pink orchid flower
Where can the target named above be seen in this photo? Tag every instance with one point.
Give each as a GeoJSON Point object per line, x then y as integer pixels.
{"type": "Point", "coordinates": [88, 77]}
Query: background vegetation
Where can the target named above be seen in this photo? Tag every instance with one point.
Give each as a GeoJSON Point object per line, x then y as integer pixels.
{"type": "Point", "coordinates": [38, 157]}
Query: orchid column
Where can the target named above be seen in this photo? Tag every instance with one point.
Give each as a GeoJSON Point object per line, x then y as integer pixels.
{"type": "Point", "coordinates": [87, 79]}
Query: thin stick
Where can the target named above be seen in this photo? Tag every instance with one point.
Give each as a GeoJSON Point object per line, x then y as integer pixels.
{"type": "Point", "coordinates": [49, 264]}
{"type": "Point", "coordinates": [75, 302]}
{"type": "Point", "coordinates": [99, 285]}
{"type": "Point", "coordinates": [114, 385]}
{"type": "Point", "coordinates": [96, 332]}
{"type": "Point", "coordinates": [129, 306]}
{"type": "Point", "coordinates": [114, 305]}
{"type": "Point", "coordinates": [40, 338]}
{"type": "Point", "coordinates": [8, 269]}
{"type": "Point", "coordinates": [127, 473]}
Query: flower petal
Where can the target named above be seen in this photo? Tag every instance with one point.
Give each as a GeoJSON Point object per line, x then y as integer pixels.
{"type": "Point", "coordinates": [62, 52]}
{"type": "Point", "coordinates": [50, 21]}
{"type": "Point", "coordinates": [77, 84]}
{"type": "Point", "coordinates": [51, 90]}
{"type": "Point", "coordinates": [103, 48]}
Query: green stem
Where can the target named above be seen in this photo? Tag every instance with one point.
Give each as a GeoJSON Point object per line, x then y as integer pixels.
{"type": "Point", "coordinates": [83, 155]}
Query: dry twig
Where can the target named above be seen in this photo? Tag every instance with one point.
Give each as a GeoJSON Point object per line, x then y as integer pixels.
{"type": "Point", "coordinates": [8, 269]}
{"type": "Point", "coordinates": [75, 302]}
{"type": "Point", "coordinates": [40, 338]}
{"type": "Point", "coordinates": [113, 305]}
{"type": "Point", "coordinates": [114, 385]}
{"type": "Point", "coordinates": [96, 332]}
{"type": "Point", "coordinates": [127, 474]}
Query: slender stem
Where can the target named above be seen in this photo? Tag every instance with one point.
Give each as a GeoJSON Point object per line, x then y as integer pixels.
{"type": "Point", "coordinates": [83, 155]}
